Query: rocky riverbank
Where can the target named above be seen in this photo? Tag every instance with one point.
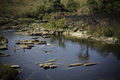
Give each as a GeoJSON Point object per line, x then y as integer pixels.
{"type": "Point", "coordinates": [47, 33]}
{"type": "Point", "coordinates": [84, 35]}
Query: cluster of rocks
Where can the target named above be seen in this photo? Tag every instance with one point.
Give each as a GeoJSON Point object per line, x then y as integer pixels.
{"type": "Point", "coordinates": [48, 65]}
{"type": "Point", "coordinates": [28, 44]}
{"type": "Point", "coordinates": [3, 43]}
{"type": "Point", "coordinates": [45, 33]}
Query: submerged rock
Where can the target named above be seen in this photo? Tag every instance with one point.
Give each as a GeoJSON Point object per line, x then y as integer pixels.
{"type": "Point", "coordinates": [47, 52]}
{"type": "Point", "coordinates": [89, 64]}
{"type": "Point", "coordinates": [52, 60]}
{"type": "Point", "coordinates": [75, 64]}
{"type": "Point", "coordinates": [4, 55]}
{"type": "Point", "coordinates": [23, 46]}
{"type": "Point", "coordinates": [35, 37]}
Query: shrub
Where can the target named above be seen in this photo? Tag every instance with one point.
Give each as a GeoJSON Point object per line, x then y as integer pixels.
{"type": "Point", "coordinates": [7, 73]}
{"type": "Point", "coordinates": [117, 34]}
{"type": "Point", "coordinates": [72, 5]}
{"type": "Point", "coordinates": [60, 23]}
{"type": "Point", "coordinates": [108, 32]}
{"type": "Point", "coordinates": [23, 21]}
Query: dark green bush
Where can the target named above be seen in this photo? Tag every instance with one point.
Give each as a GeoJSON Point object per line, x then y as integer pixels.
{"type": "Point", "coordinates": [104, 6]}
{"type": "Point", "coordinates": [72, 5]}
{"type": "Point", "coordinates": [7, 73]}
{"type": "Point", "coordinates": [117, 34]}
{"type": "Point", "coordinates": [108, 32]}
{"type": "Point", "coordinates": [23, 21]}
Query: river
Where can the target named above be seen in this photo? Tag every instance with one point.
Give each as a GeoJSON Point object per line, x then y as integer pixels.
{"type": "Point", "coordinates": [65, 51]}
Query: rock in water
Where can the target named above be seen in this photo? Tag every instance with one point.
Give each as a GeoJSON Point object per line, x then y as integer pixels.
{"type": "Point", "coordinates": [15, 66]}
{"type": "Point", "coordinates": [4, 55]}
{"type": "Point", "coordinates": [75, 64]}
{"type": "Point", "coordinates": [89, 64]}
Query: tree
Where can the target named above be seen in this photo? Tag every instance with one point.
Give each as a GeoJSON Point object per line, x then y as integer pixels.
{"type": "Point", "coordinates": [104, 6]}
{"type": "Point", "coordinates": [56, 6]}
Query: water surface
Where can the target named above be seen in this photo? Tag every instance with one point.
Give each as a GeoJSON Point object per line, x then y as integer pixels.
{"type": "Point", "coordinates": [66, 52]}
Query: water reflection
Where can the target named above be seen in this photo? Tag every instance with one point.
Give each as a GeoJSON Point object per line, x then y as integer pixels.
{"type": "Point", "coordinates": [101, 48]}
{"type": "Point", "coordinates": [58, 40]}
{"type": "Point", "coordinates": [84, 54]}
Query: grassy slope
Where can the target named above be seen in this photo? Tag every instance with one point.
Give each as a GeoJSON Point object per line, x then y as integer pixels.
{"type": "Point", "coordinates": [19, 7]}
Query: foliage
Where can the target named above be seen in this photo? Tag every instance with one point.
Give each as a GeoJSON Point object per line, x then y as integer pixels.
{"type": "Point", "coordinates": [104, 6]}
{"type": "Point", "coordinates": [72, 5]}
{"type": "Point", "coordinates": [56, 6]}
{"type": "Point", "coordinates": [108, 32]}
{"type": "Point", "coordinates": [7, 73]}
{"type": "Point", "coordinates": [23, 21]}
{"type": "Point", "coordinates": [4, 21]}
{"type": "Point", "coordinates": [117, 34]}
{"type": "Point", "coordinates": [60, 23]}
{"type": "Point", "coordinates": [55, 24]}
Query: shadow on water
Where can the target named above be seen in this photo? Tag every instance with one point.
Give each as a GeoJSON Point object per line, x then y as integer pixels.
{"type": "Point", "coordinates": [102, 48]}
{"type": "Point", "coordinates": [58, 40]}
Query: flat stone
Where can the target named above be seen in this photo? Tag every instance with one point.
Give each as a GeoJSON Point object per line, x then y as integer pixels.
{"type": "Point", "coordinates": [89, 64]}
{"type": "Point", "coordinates": [15, 66]}
{"type": "Point", "coordinates": [75, 64]}
{"type": "Point", "coordinates": [35, 37]}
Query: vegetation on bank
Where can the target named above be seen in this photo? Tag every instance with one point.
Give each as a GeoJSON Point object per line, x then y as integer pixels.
{"type": "Point", "coordinates": [7, 73]}
{"type": "Point", "coordinates": [104, 6]}
{"type": "Point", "coordinates": [56, 12]}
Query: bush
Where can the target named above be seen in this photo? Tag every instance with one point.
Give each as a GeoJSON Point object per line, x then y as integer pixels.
{"type": "Point", "coordinates": [72, 5]}
{"type": "Point", "coordinates": [60, 23]}
{"type": "Point", "coordinates": [56, 6]}
{"type": "Point", "coordinates": [104, 6]}
{"type": "Point", "coordinates": [23, 21]}
{"type": "Point", "coordinates": [108, 32]}
{"type": "Point", "coordinates": [117, 34]}
{"type": "Point", "coordinates": [7, 73]}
